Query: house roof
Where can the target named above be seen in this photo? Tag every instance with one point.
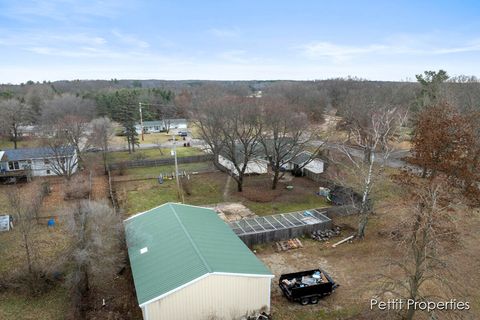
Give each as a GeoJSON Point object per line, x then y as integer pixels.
{"type": "Point", "coordinates": [257, 152]}
{"type": "Point", "coordinates": [302, 157]}
{"type": "Point", "coordinates": [183, 243]}
{"type": "Point", "coordinates": [285, 152]}
{"type": "Point", "coordinates": [35, 153]}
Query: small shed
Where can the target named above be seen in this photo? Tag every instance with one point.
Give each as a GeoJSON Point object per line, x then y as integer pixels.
{"type": "Point", "coordinates": [304, 161]}
{"type": "Point", "coordinates": [188, 264]}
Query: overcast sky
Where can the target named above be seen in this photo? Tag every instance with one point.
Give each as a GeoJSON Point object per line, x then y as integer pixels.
{"type": "Point", "coordinates": [236, 40]}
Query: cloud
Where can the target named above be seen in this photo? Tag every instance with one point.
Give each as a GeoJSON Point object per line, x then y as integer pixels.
{"type": "Point", "coordinates": [340, 53]}
{"type": "Point", "coordinates": [130, 39]}
{"type": "Point", "coordinates": [224, 32]}
{"type": "Point", "coordinates": [113, 45]}
{"type": "Point", "coordinates": [34, 38]}
{"type": "Point", "coordinates": [235, 56]}
{"type": "Point", "coordinates": [63, 10]}
{"type": "Point", "coordinates": [81, 52]}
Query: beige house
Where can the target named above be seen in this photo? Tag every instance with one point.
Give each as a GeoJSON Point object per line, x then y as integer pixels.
{"type": "Point", "coordinates": [188, 264]}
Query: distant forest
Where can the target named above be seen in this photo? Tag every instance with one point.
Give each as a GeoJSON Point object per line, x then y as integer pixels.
{"type": "Point", "coordinates": [48, 103]}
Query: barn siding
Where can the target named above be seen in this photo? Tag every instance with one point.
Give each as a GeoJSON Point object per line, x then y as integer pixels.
{"type": "Point", "coordinates": [214, 297]}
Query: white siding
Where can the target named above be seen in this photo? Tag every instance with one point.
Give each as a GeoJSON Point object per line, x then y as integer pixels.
{"type": "Point", "coordinates": [257, 166]}
{"type": "Point", "coordinates": [315, 166]}
{"type": "Point", "coordinates": [214, 297]}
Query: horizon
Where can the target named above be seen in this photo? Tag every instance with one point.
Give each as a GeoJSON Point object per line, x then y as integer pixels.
{"type": "Point", "coordinates": [65, 40]}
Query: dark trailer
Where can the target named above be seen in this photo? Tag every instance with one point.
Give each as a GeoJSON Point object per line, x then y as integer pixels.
{"type": "Point", "coordinates": [306, 286]}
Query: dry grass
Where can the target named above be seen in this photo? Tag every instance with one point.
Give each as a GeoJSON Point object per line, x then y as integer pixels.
{"type": "Point", "coordinates": [141, 154]}
{"type": "Point", "coordinates": [49, 247]}
{"type": "Point", "coordinates": [26, 142]}
{"type": "Point", "coordinates": [49, 244]}
{"type": "Point", "coordinates": [262, 200]}
{"type": "Point", "coordinates": [357, 266]}
{"type": "Point", "coordinates": [138, 196]}
{"type": "Point", "coordinates": [50, 306]}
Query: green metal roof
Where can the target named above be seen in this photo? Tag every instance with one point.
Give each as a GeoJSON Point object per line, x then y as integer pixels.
{"type": "Point", "coordinates": [184, 243]}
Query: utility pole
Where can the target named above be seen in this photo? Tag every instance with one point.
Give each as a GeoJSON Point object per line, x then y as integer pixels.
{"type": "Point", "coordinates": [179, 191]}
{"type": "Point", "coordinates": [141, 118]}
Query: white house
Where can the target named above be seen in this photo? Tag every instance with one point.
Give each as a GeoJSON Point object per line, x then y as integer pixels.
{"type": "Point", "coordinates": [188, 264]}
{"type": "Point", "coordinates": [44, 161]}
{"type": "Point", "coordinates": [162, 125]}
{"type": "Point", "coordinates": [254, 166]}
{"type": "Point", "coordinates": [258, 163]}
{"type": "Point", "coordinates": [304, 161]}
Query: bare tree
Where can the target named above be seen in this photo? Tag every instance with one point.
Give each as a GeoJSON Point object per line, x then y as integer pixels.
{"type": "Point", "coordinates": [207, 115]}
{"type": "Point", "coordinates": [36, 97]}
{"type": "Point", "coordinates": [241, 129]}
{"type": "Point", "coordinates": [96, 249]}
{"type": "Point", "coordinates": [424, 236]}
{"type": "Point", "coordinates": [25, 204]}
{"type": "Point", "coordinates": [14, 114]}
{"type": "Point", "coordinates": [376, 141]}
{"type": "Point", "coordinates": [60, 106]}
{"type": "Point", "coordinates": [68, 116]}
{"type": "Point", "coordinates": [63, 160]}
{"type": "Point", "coordinates": [305, 97]}
{"type": "Point", "coordinates": [286, 134]}
{"type": "Point", "coordinates": [101, 132]}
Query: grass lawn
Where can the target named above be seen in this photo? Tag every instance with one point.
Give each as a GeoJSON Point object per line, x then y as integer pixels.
{"type": "Point", "coordinates": [48, 246]}
{"type": "Point", "coordinates": [259, 197]}
{"type": "Point", "coordinates": [138, 196]}
{"type": "Point", "coordinates": [49, 306]}
{"type": "Point", "coordinates": [157, 138]}
{"type": "Point", "coordinates": [150, 172]}
{"type": "Point", "coordinates": [300, 203]}
{"type": "Point", "coordinates": [27, 143]}
{"type": "Point", "coordinates": [4, 207]}
{"type": "Point", "coordinates": [284, 312]}
{"type": "Point", "coordinates": [148, 138]}
{"type": "Point", "coordinates": [117, 156]}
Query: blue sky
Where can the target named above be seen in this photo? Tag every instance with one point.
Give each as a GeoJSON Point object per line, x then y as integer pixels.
{"type": "Point", "coordinates": [228, 40]}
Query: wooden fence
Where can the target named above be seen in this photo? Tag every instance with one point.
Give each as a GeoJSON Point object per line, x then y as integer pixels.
{"type": "Point", "coordinates": [158, 162]}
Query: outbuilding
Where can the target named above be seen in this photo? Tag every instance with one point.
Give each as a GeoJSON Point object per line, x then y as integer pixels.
{"type": "Point", "coordinates": [188, 264]}
{"type": "Point", "coordinates": [305, 161]}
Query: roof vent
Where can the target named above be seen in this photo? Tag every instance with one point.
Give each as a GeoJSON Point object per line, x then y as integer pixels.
{"type": "Point", "coordinates": [143, 250]}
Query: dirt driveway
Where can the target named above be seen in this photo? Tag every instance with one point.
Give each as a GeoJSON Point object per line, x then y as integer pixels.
{"type": "Point", "coordinates": [354, 266]}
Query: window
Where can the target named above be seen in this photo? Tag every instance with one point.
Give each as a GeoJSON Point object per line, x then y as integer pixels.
{"type": "Point", "coordinates": [48, 171]}
{"type": "Point", "coordinates": [13, 165]}
{"type": "Point", "coordinates": [46, 161]}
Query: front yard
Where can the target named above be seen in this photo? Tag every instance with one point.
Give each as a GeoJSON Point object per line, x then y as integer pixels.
{"type": "Point", "coordinates": [162, 153]}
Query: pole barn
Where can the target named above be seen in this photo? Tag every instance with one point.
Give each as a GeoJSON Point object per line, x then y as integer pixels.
{"type": "Point", "coordinates": [188, 264]}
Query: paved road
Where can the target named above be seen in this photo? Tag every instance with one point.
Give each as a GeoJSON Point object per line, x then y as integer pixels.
{"type": "Point", "coordinates": [394, 161]}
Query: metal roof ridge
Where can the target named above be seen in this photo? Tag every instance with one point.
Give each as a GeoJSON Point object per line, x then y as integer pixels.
{"type": "Point", "coordinates": [197, 250]}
